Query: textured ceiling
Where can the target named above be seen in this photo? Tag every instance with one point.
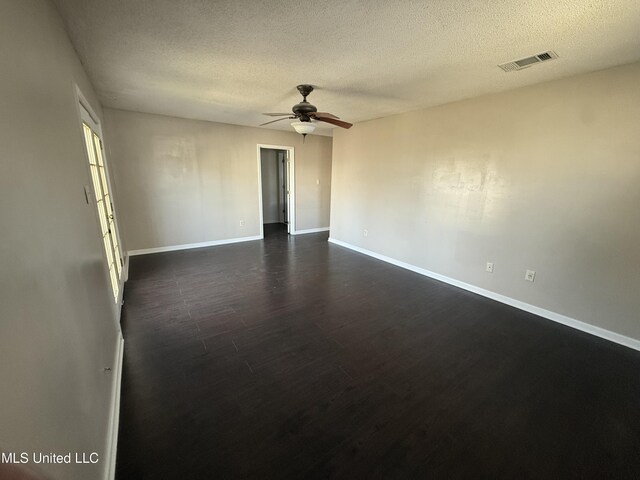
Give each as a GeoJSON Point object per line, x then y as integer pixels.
{"type": "Point", "coordinates": [229, 60]}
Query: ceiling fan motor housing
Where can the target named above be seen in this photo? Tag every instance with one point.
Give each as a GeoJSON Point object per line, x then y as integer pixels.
{"type": "Point", "coordinates": [304, 108]}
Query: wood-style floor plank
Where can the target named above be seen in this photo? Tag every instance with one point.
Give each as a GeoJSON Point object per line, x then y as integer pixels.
{"type": "Point", "coordinates": [291, 358]}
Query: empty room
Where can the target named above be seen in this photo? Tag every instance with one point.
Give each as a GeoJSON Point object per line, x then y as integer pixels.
{"type": "Point", "coordinates": [319, 240]}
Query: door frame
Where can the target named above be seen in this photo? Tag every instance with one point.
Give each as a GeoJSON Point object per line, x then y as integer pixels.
{"type": "Point", "coordinates": [291, 177]}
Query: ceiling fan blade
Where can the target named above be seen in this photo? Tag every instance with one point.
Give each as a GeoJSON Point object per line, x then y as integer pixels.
{"type": "Point", "coordinates": [334, 121]}
{"type": "Point", "coordinates": [277, 114]}
{"type": "Point", "coordinates": [325, 115]}
{"type": "Point", "coordinates": [274, 121]}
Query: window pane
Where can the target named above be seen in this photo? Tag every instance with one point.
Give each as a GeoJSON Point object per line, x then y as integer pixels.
{"type": "Point", "coordinates": [103, 178]}
{"type": "Point", "coordinates": [107, 205]}
{"type": "Point", "coordinates": [96, 182]}
{"type": "Point", "coordinates": [96, 142]}
{"type": "Point", "coordinates": [114, 283]}
{"type": "Point", "coordinates": [107, 247]}
{"type": "Point", "coordinates": [89, 143]}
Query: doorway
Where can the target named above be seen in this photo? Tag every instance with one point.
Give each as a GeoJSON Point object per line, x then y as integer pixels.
{"type": "Point", "coordinates": [276, 174]}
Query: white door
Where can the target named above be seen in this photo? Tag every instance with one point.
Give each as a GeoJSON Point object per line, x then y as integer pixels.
{"type": "Point", "coordinates": [103, 201]}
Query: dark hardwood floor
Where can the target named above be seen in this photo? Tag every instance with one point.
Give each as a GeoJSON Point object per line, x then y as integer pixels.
{"type": "Point", "coordinates": [291, 358]}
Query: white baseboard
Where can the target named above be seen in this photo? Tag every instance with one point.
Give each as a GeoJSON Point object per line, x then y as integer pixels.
{"type": "Point", "coordinates": [188, 246]}
{"type": "Point", "coordinates": [310, 230]}
{"type": "Point", "coordinates": [114, 417]}
{"type": "Point", "coordinates": [556, 317]}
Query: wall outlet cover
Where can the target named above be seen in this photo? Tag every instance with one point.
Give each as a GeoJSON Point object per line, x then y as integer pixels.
{"type": "Point", "coordinates": [530, 275]}
{"type": "Point", "coordinates": [489, 267]}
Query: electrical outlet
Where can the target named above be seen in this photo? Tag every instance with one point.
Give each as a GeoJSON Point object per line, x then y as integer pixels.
{"type": "Point", "coordinates": [530, 275]}
{"type": "Point", "coordinates": [242, 223]}
{"type": "Point", "coordinates": [318, 181]}
{"type": "Point", "coordinates": [365, 233]}
{"type": "Point", "coordinates": [489, 267]}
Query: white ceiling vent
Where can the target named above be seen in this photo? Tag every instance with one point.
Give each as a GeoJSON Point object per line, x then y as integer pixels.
{"type": "Point", "coordinates": [527, 62]}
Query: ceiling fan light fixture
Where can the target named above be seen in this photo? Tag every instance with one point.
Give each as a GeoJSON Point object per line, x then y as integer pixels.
{"type": "Point", "coordinates": [303, 128]}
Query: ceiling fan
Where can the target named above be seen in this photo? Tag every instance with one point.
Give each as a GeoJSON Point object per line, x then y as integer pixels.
{"type": "Point", "coordinates": [304, 112]}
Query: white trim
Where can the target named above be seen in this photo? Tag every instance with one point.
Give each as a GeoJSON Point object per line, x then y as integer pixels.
{"type": "Point", "coordinates": [291, 175]}
{"type": "Point", "coordinates": [92, 119]}
{"type": "Point", "coordinates": [311, 230]}
{"type": "Point", "coordinates": [188, 246]}
{"type": "Point", "coordinates": [556, 317]}
{"type": "Point", "coordinates": [260, 213]}
{"type": "Point", "coordinates": [114, 417]}
{"type": "Point", "coordinates": [291, 206]}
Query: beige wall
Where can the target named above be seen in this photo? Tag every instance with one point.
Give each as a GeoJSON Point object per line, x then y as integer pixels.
{"type": "Point", "coordinates": [57, 323]}
{"type": "Point", "coordinates": [185, 181]}
{"type": "Point", "coordinates": [543, 178]}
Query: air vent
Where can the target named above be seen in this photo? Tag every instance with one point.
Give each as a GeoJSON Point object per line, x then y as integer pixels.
{"type": "Point", "coordinates": [527, 62]}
